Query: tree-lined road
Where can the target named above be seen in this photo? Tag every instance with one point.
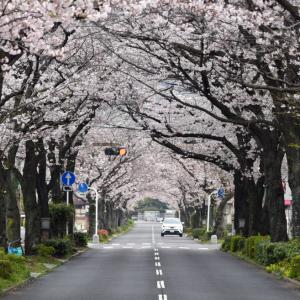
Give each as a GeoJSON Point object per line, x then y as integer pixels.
{"type": "Point", "coordinates": [141, 265]}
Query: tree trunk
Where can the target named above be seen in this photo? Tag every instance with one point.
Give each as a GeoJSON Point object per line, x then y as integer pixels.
{"type": "Point", "coordinates": [3, 238]}
{"type": "Point", "coordinates": [32, 225]}
{"type": "Point", "coordinates": [13, 220]}
{"type": "Point", "coordinates": [293, 158]}
{"type": "Point", "coordinates": [274, 197]}
{"type": "Point", "coordinates": [42, 188]}
{"type": "Point", "coordinates": [241, 209]}
{"type": "Point", "coordinates": [218, 227]}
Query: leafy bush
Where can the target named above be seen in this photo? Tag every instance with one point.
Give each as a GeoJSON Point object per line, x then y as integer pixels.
{"type": "Point", "coordinates": [226, 244]}
{"type": "Point", "coordinates": [294, 271]}
{"type": "Point", "coordinates": [196, 233]}
{"type": "Point", "coordinates": [62, 247]}
{"type": "Point", "coordinates": [103, 234]}
{"type": "Point", "coordinates": [235, 243]}
{"type": "Point", "coordinates": [293, 248]}
{"type": "Point", "coordinates": [252, 243]}
{"type": "Point", "coordinates": [45, 251]}
{"type": "Point", "coordinates": [6, 269]}
{"type": "Point", "coordinates": [80, 239]}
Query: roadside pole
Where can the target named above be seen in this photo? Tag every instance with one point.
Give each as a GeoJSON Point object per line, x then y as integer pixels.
{"type": "Point", "coordinates": [67, 179]}
{"type": "Point", "coordinates": [67, 198]}
{"type": "Point", "coordinates": [95, 236]}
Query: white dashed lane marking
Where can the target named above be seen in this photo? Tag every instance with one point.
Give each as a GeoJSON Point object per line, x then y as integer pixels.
{"type": "Point", "coordinates": [159, 272]}
{"type": "Point", "coordinates": [160, 284]}
{"type": "Point", "coordinates": [157, 264]}
{"type": "Point", "coordinates": [162, 297]}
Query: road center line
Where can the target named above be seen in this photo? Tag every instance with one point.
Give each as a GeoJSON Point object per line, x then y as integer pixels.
{"type": "Point", "coordinates": [160, 284]}
{"type": "Point", "coordinates": [162, 297]}
{"type": "Point", "coordinates": [157, 264]}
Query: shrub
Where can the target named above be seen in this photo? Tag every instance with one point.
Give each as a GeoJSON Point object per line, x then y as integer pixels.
{"type": "Point", "coordinates": [46, 251]}
{"type": "Point", "coordinates": [252, 243]}
{"type": "Point", "coordinates": [80, 239]}
{"type": "Point", "coordinates": [235, 243]}
{"type": "Point", "coordinates": [226, 244]}
{"type": "Point", "coordinates": [196, 233]}
{"type": "Point", "coordinates": [62, 247]}
{"type": "Point", "coordinates": [293, 248]}
{"type": "Point", "coordinates": [6, 269]}
{"type": "Point", "coordinates": [103, 232]}
{"type": "Point", "coordinates": [294, 271]}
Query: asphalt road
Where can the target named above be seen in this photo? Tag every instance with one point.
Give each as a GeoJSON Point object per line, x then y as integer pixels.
{"type": "Point", "coordinates": [141, 265]}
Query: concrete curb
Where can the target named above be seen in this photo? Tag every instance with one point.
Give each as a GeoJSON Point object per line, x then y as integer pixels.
{"type": "Point", "coordinates": [249, 261]}
{"type": "Point", "coordinates": [31, 279]}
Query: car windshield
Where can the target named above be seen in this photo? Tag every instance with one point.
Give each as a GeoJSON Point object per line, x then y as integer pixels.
{"type": "Point", "coordinates": [172, 221]}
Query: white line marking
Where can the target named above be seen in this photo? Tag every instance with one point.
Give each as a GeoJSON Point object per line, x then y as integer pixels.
{"type": "Point", "coordinates": [116, 244]}
{"type": "Point", "coordinates": [127, 247]}
{"type": "Point", "coordinates": [162, 297]}
{"type": "Point", "coordinates": [157, 264]}
{"type": "Point", "coordinates": [203, 248]}
{"type": "Point", "coordinates": [155, 249]}
{"type": "Point", "coordinates": [156, 254]}
{"type": "Point", "coordinates": [146, 244]}
{"type": "Point", "coordinates": [107, 247]}
{"type": "Point", "coordinates": [184, 247]}
{"type": "Point", "coordinates": [156, 258]}
{"type": "Point", "coordinates": [160, 284]}
{"type": "Point", "coordinates": [145, 247]}
{"type": "Point", "coordinates": [158, 272]}
{"type": "Point", "coordinates": [165, 247]}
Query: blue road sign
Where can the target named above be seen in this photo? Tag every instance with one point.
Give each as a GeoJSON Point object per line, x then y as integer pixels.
{"type": "Point", "coordinates": [68, 178]}
{"type": "Point", "coordinates": [221, 192]}
{"type": "Point", "coordinates": [83, 187]}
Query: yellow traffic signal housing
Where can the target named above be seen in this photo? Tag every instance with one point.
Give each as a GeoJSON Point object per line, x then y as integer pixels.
{"type": "Point", "coordinates": [122, 151]}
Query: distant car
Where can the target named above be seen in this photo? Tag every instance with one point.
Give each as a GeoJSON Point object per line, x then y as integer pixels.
{"type": "Point", "coordinates": [171, 226]}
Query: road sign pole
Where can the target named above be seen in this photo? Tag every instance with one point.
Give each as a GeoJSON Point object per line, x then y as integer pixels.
{"type": "Point", "coordinates": [67, 228]}
{"type": "Point", "coordinates": [95, 236]}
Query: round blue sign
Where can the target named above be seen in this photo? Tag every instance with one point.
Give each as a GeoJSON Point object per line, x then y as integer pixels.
{"type": "Point", "coordinates": [68, 178]}
{"type": "Point", "coordinates": [83, 187]}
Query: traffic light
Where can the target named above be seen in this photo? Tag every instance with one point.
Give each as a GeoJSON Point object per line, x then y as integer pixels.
{"type": "Point", "coordinates": [115, 151]}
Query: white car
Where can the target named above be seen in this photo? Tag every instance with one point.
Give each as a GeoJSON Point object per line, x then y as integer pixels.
{"type": "Point", "coordinates": [171, 226]}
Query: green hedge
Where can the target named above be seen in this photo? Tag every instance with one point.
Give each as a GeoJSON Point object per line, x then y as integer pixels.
{"type": "Point", "coordinates": [63, 247]}
{"type": "Point", "coordinates": [6, 269]}
{"type": "Point", "coordinates": [196, 233]}
{"type": "Point", "coordinates": [45, 251]}
{"type": "Point", "coordinates": [282, 258]}
{"type": "Point", "coordinates": [80, 239]}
